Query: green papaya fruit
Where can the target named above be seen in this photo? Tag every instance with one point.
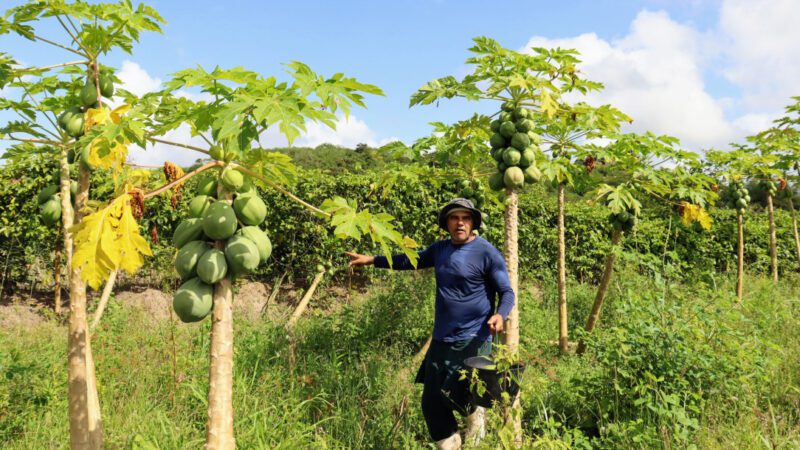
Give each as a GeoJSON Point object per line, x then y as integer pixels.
{"type": "Point", "coordinates": [106, 85]}
{"type": "Point", "coordinates": [232, 179]}
{"type": "Point", "coordinates": [199, 205]}
{"type": "Point", "coordinates": [524, 125]}
{"type": "Point", "coordinates": [212, 266]}
{"type": "Point", "coordinates": [741, 203]}
{"type": "Point", "coordinates": [511, 156]}
{"type": "Point", "coordinates": [88, 94]}
{"type": "Point", "coordinates": [496, 181]}
{"type": "Point", "coordinates": [207, 186]}
{"type": "Point", "coordinates": [85, 153]}
{"type": "Point", "coordinates": [219, 221]}
{"type": "Point", "coordinates": [527, 158]}
{"type": "Point", "coordinates": [532, 174]}
{"type": "Point", "coordinates": [495, 125]}
{"type": "Point", "coordinates": [188, 255]}
{"type": "Point", "coordinates": [75, 126]}
{"type": "Point", "coordinates": [508, 106]}
{"type": "Point", "coordinates": [193, 301]}
{"type": "Point", "coordinates": [534, 138]}
{"type": "Point", "coordinates": [186, 231]}
{"type": "Point", "coordinates": [507, 129]}
{"type": "Point", "coordinates": [497, 141]}
{"type": "Point", "coordinates": [260, 238]}
{"type": "Point", "coordinates": [46, 193]}
{"type": "Point", "coordinates": [50, 211]}
{"type": "Point", "coordinates": [68, 113]}
{"type": "Point", "coordinates": [217, 153]}
{"type": "Point", "coordinates": [250, 209]}
{"type": "Point", "coordinates": [514, 177]}
{"type": "Point", "coordinates": [242, 255]}
{"type": "Point", "coordinates": [520, 141]}
{"type": "Point", "coordinates": [505, 117]}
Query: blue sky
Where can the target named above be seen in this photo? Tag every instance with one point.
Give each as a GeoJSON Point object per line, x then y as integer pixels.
{"type": "Point", "coordinates": [708, 72]}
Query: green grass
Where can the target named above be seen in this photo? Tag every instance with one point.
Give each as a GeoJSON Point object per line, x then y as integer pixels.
{"type": "Point", "coordinates": [339, 382]}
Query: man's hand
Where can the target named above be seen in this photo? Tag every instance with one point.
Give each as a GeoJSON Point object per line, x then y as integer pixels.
{"type": "Point", "coordinates": [359, 260]}
{"type": "Point", "coordinates": [496, 323]}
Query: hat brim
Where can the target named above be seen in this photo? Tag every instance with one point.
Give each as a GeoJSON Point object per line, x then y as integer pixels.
{"type": "Point", "coordinates": [476, 215]}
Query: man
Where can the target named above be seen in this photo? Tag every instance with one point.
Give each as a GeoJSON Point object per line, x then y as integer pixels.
{"type": "Point", "coordinates": [470, 274]}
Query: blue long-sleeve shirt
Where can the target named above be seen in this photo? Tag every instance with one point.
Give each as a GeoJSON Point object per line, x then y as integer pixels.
{"type": "Point", "coordinates": [469, 277]}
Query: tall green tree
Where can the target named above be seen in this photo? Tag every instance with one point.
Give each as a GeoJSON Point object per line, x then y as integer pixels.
{"type": "Point", "coordinates": [44, 95]}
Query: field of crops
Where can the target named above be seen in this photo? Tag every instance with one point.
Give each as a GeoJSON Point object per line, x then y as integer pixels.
{"type": "Point", "coordinates": [214, 304]}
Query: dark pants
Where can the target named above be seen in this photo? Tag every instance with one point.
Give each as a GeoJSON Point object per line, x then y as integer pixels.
{"type": "Point", "coordinates": [443, 393]}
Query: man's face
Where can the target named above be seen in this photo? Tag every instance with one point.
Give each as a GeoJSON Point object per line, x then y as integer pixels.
{"type": "Point", "coordinates": [459, 225]}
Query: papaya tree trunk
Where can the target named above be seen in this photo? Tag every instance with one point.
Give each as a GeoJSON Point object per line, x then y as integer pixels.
{"type": "Point", "coordinates": [794, 230]}
{"type": "Point", "coordinates": [563, 334]}
{"type": "Point", "coordinates": [219, 433]}
{"type": "Point", "coordinates": [773, 239]}
{"type": "Point", "coordinates": [605, 281]}
{"type": "Point", "coordinates": [511, 336]}
{"type": "Point", "coordinates": [740, 262]}
{"type": "Point", "coordinates": [57, 278]}
{"type": "Point", "coordinates": [86, 430]}
{"type": "Point", "coordinates": [511, 253]}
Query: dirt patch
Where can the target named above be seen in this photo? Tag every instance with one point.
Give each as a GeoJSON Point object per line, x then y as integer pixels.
{"type": "Point", "coordinates": [20, 315]}
{"type": "Point", "coordinates": [153, 302]}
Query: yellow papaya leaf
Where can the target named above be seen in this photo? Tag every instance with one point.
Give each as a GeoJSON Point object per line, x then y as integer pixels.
{"type": "Point", "coordinates": [102, 116]}
{"type": "Point", "coordinates": [107, 240]}
{"type": "Point", "coordinates": [691, 213]}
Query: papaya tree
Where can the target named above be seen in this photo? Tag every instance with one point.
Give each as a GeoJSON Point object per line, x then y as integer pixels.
{"type": "Point", "coordinates": [735, 167]}
{"type": "Point", "coordinates": [786, 139]}
{"type": "Point", "coordinates": [643, 166]}
{"type": "Point", "coordinates": [565, 136]}
{"type": "Point", "coordinates": [61, 106]}
{"type": "Point", "coordinates": [245, 104]}
{"type": "Point", "coordinates": [531, 87]}
{"type": "Point", "coordinates": [769, 147]}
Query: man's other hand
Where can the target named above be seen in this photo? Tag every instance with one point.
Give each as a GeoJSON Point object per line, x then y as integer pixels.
{"type": "Point", "coordinates": [359, 260]}
{"type": "Point", "coordinates": [496, 323]}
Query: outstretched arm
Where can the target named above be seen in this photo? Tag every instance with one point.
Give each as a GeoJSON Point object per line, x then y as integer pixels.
{"type": "Point", "coordinates": [357, 259]}
{"type": "Point", "coordinates": [399, 262]}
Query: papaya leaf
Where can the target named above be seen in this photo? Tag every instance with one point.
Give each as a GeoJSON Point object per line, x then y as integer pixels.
{"type": "Point", "coordinates": [107, 240]}
{"type": "Point", "coordinates": [274, 166]}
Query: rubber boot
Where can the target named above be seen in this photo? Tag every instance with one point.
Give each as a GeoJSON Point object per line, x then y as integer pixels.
{"type": "Point", "coordinates": [451, 443]}
{"type": "Point", "coordinates": [475, 426]}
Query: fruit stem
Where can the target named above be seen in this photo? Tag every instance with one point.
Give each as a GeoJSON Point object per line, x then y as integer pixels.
{"type": "Point", "coordinates": [280, 189]}
{"type": "Point", "coordinates": [183, 178]}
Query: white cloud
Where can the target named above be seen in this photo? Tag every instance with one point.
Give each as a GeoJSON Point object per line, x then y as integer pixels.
{"type": "Point", "coordinates": [348, 133]}
{"type": "Point", "coordinates": [653, 74]}
{"type": "Point", "coordinates": [761, 46]}
{"type": "Point", "coordinates": [657, 73]}
{"type": "Point", "coordinates": [136, 79]}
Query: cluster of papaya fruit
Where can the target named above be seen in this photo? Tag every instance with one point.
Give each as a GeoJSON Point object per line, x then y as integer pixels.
{"type": "Point", "coordinates": [623, 221]}
{"type": "Point", "coordinates": [741, 197]}
{"type": "Point", "coordinates": [772, 189]}
{"type": "Point", "coordinates": [72, 120]}
{"type": "Point", "coordinates": [49, 200]}
{"type": "Point", "coordinates": [473, 191]}
{"type": "Point", "coordinates": [514, 147]}
{"type": "Point", "coordinates": [218, 240]}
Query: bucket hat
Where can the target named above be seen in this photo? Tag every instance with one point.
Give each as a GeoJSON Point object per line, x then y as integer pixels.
{"type": "Point", "coordinates": [459, 204]}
